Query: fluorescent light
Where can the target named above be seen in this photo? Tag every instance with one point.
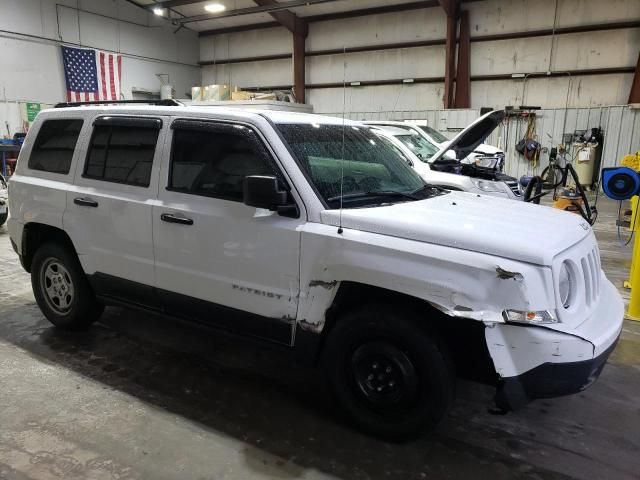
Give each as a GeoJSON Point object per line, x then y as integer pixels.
{"type": "Point", "coordinates": [215, 8]}
{"type": "Point", "coordinates": [158, 11]}
{"type": "Point", "coordinates": [355, 84]}
{"type": "Point", "coordinates": [408, 80]}
{"type": "Point", "coordinates": [517, 75]}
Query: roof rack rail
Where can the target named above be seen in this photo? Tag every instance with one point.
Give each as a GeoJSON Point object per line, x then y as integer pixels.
{"type": "Point", "coordinates": [159, 103]}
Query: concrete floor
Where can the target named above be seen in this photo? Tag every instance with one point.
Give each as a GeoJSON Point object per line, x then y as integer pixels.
{"type": "Point", "coordinates": [142, 397]}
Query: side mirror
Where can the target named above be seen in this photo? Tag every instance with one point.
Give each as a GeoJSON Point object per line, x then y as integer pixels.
{"type": "Point", "coordinates": [263, 191]}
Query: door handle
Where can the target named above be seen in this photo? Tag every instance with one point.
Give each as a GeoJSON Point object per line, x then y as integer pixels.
{"type": "Point", "coordinates": [170, 218]}
{"type": "Point", "coordinates": [85, 202]}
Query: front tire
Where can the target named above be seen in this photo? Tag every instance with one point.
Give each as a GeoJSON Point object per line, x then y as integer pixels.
{"type": "Point", "coordinates": [392, 378]}
{"type": "Point", "coordinates": [61, 288]}
{"type": "Point", "coordinates": [3, 218]}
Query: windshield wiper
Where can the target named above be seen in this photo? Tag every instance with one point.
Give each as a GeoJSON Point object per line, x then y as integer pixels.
{"type": "Point", "coordinates": [413, 195]}
{"type": "Point", "coordinates": [390, 193]}
{"type": "Point", "coordinates": [380, 193]}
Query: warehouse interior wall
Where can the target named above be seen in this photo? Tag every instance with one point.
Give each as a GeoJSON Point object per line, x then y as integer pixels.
{"type": "Point", "coordinates": [31, 32]}
{"type": "Point", "coordinates": [608, 49]}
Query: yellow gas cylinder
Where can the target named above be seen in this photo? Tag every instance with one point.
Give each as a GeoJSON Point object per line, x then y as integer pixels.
{"type": "Point", "coordinates": [633, 313]}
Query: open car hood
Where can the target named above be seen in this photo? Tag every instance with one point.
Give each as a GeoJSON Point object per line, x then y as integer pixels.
{"type": "Point", "coordinates": [468, 140]}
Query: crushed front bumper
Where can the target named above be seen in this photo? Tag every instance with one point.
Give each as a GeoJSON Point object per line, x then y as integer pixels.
{"type": "Point", "coordinates": [550, 380]}
{"type": "Point", "coordinates": [536, 362]}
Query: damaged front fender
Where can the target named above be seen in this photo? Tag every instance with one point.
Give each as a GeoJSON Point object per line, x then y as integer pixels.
{"type": "Point", "coordinates": [460, 283]}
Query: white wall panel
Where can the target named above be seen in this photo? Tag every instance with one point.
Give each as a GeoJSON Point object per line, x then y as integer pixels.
{"type": "Point", "coordinates": [40, 79]}
{"type": "Point", "coordinates": [380, 65]}
{"type": "Point", "coordinates": [95, 31]}
{"type": "Point", "coordinates": [266, 41]}
{"type": "Point", "coordinates": [22, 16]}
{"type": "Point", "coordinates": [509, 56]}
{"type": "Point", "coordinates": [508, 16]}
{"type": "Point", "coordinates": [614, 48]}
{"type": "Point", "coordinates": [587, 90]}
{"type": "Point", "coordinates": [251, 74]}
{"type": "Point", "coordinates": [409, 26]}
{"type": "Point", "coordinates": [586, 12]}
{"type": "Point", "coordinates": [370, 102]}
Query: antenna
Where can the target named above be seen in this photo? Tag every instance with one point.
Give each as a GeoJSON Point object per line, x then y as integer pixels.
{"type": "Point", "coordinates": [344, 103]}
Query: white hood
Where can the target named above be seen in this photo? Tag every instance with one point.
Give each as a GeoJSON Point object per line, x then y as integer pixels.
{"type": "Point", "coordinates": [469, 139]}
{"type": "Point", "coordinates": [508, 229]}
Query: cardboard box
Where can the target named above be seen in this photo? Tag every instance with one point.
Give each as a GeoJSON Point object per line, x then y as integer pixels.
{"type": "Point", "coordinates": [216, 93]}
{"type": "Point", "coordinates": [240, 95]}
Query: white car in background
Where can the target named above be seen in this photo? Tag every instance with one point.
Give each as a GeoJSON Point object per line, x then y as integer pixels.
{"type": "Point", "coordinates": [440, 166]}
{"type": "Point", "coordinates": [486, 155]}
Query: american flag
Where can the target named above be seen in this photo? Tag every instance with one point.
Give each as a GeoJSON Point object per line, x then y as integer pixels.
{"type": "Point", "coordinates": [91, 75]}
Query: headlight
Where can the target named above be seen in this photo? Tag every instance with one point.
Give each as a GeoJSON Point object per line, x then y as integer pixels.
{"type": "Point", "coordinates": [486, 162]}
{"type": "Point", "coordinates": [535, 318]}
{"type": "Point", "coordinates": [565, 285]}
{"type": "Point", "coordinates": [487, 186]}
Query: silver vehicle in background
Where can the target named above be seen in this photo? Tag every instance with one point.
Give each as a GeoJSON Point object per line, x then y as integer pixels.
{"type": "Point", "coordinates": [443, 166]}
{"type": "Point", "coordinates": [484, 155]}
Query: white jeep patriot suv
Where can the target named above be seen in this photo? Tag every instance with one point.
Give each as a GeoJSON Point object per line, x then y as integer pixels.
{"type": "Point", "coordinates": [308, 232]}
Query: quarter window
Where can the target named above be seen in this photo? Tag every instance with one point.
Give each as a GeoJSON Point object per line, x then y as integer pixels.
{"type": "Point", "coordinates": [212, 160]}
{"type": "Point", "coordinates": [54, 146]}
{"type": "Point", "coordinates": [122, 153]}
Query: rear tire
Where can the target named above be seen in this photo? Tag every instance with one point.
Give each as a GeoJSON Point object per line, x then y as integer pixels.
{"type": "Point", "coordinates": [61, 288]}
{"type": "Point", "coordinates": [3, 218]}
{"type": "Point", "coordinates": [394, 379]}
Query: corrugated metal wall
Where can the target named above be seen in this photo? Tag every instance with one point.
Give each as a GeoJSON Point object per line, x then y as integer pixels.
{"type": "Point", "coordinates": [621, 126]}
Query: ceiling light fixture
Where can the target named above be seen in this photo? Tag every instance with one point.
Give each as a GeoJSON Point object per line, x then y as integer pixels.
{"type": "Point", "coordinates": [158, 11]}
{"type": "Point", "coordinates": [215, 8]}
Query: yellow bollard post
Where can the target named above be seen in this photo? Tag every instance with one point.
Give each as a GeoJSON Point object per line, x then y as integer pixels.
{"type": "Point", "coordinates": [633, 313]}
{"type": "Point", "coordinates": [634, 227]}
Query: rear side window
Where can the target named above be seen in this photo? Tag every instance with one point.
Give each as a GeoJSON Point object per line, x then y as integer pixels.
{"type": "Point", "coordinates": [122, 151]}
{"type": "Point", "coordinates": [54, 146]}
{"type": "Point", "coordinates": [212, 160]}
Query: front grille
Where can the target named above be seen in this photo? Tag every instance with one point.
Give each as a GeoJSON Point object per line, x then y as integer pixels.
{"type": "Point", "coordinates": [513, 186]}
{"type": "Point", "coordinates": [590, 265]}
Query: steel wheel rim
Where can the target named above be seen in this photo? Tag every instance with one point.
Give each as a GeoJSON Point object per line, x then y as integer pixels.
{"type": "Point", "coordinates": [384, 376]}
{"type": "Point", "coordinates": [56, 285]}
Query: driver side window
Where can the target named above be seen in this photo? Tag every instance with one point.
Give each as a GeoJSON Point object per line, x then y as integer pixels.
{"type": "Point", "coordinates": [213, 159]}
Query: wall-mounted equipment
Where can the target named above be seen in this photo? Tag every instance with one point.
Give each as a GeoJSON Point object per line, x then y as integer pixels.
{"type": "Point", "coordinates": [620, 183]}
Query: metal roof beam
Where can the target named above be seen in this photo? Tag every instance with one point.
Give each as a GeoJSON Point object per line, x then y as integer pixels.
{"type": "Point", "coordinates": [286, 18]}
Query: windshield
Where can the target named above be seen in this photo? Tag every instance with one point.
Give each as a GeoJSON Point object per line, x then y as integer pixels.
{"type": "Point", "coordinates": [371, 168]}
{"type": "Point", "coordinates": [423, 149]}
{"type": "Point", "coordinates": [436, 135]}
{"type": "Point", "coordinates": [393, 146]}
